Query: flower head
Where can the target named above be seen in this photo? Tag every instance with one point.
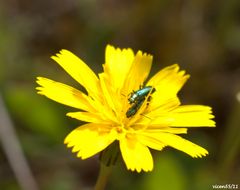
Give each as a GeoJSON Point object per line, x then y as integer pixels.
{"type": "Point", "coordinates": [157, 117]}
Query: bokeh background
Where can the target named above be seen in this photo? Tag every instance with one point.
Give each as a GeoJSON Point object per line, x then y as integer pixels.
{"type": "Point", "coordinates": [203, 36]}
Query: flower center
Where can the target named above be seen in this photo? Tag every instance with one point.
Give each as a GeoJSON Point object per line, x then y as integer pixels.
{"type": "Point", "coordinates": [119, 129]}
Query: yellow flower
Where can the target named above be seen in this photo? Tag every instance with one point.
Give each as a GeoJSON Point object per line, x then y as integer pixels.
{"type": "Point", "coordinates": [157, 121]}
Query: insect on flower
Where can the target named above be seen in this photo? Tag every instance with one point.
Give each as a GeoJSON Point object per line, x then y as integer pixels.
{"type": "Point", "coordinates": [140, 94]}
{"type": "Point", "coordinates": [137, 98]}
{"type": "Point", "coordinates": [108, 114]}
{"type": "Point", "coordinates": [134, 108]}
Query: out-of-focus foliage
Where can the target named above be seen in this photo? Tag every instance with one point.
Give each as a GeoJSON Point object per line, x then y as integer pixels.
{"type": "Point", "coordinates": [202, 36]}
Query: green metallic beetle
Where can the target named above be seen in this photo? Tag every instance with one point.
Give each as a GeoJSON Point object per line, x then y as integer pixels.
{"type": "Point", "coordinates": [137, 98]}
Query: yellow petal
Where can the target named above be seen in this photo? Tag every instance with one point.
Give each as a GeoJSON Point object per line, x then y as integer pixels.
{"type": "Point", "coordinates": [63, 94]}
{"type": "Point", "coordinates": [164, 106]}
{"type": "Point", "coordinates": [152, 115]}
{"type": "Point", "coordinates": [138, 72]}
{"type": "Point", "coordinates": [110, 97]}
{"type": "Point", "coordinates": [148, 139]}
{"type": "Point", "coordinates": [88, 117]}
{"type": "Point", "coordinates": [192, 116]}
{"type": "Point", "coordinates": [155, 129]}
{"type": "Point", "coordinates": [90, 139]}
{"type": "Point", "coordinates": [151, 142]}
{"type": "Point", "coordinates": [117, 65]}
{"type": "Point", "coordinates": [167, 83]}
{"type": "Point", "coordinates": [136, 155]}
{"type": "Point", "coordinates": [185, 116]}
{"type": "Point", "coordinates": [181, 144]}
{"type": "Point", "coordinates": [79, 71]}
{"type": "Point", "coordinates": [169, 76]}
{"type": "Point", "coordinates": [104, 109]}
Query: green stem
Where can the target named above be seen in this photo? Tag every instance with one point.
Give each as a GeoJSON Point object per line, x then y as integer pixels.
{"type": "Point", "coordinates": [103, 176]}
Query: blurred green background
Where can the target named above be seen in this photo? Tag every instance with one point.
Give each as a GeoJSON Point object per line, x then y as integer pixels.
{"type": "Point", "coordinates": [203, 36]}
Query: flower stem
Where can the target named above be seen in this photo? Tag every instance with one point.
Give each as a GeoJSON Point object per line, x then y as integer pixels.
{"type": "Point", "coordinates": [103, 176]}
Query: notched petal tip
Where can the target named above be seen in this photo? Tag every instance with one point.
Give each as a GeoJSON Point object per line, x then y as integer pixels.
{"type": "Point", "coordinates": [38, 88]}
{"type": "Point", "coordinates": [211, 123]}
{"type": "Point", "coordinates": [70, 114]}
{"type": "Point", "coordinates": [65, 142]}
{"type": "Point", "coordinates": [144, 55]}
{"type": "Point", "coordinates": [112, 50]}
{"type": "Point", "coordinates": [69, 144]}
{"type": "Point", "coordinates": [38, 78]}
{"type": "Point", "coordinates": [79, 155]}
{"type": "Point", "coordinates": [175, 67]}
{"type": "Point", "coordinates": [201, 154]}
{"type": "Point", "coordinates": [61, 52]}
{"type": "Point", "coordinates": [74, 148]}
{"type": "Point", "coordinates": [140, 169]}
